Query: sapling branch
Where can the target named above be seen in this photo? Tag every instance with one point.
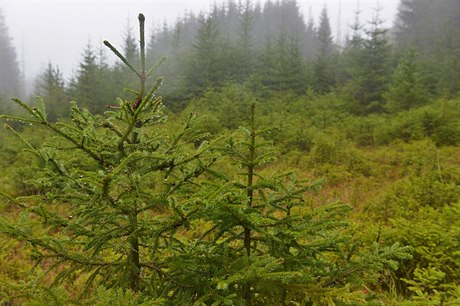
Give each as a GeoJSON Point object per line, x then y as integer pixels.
{"type": "Point", "coordinates": [121, 57]}
{"type": "Point", "coordinates": [154, 67]}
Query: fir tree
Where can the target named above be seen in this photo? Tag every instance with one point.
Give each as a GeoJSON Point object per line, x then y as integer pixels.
{"type": "Point", "coordinates": [281, 66]}
{"type": "Point", "coordinates": [356, 40]}
{"type": "Point", "coordinates": [244, 62]}
{"type": "Point", "coordinates": [406, 89]}
{"type": "Point", "coordinates": [376, 62]}
{"type": "Point", "coordinates": [324, 66]}
{"type": "Point", "coordinates": [206, 68]}
{"type": "Point", "coordinates": [405, 25]}
{"type": "Point", "coordinates": [87, 86]}
{"type": "Point", "coordinates": [261, 246]}
{"type": "Point", "coordinates": [111, 216]}
{"type": "Point", "coordinates": [433, 29]}
{"type": "Point", "coordinates": [10, 74]}
{"type": "Point", "coordinates": [50, 86]}
{"type": "Point", "coordinates": [311, 42]}
{"type": "Point", "coordinates": [352, 53]}
{"type": "Point", "coordinates": [130, 48]}
{"type": "Point", "coordinates": [292, 65]}
{"type": "Point", "coordinates": [371, 68]}
{"type": "Point", "coordinates": [121, 75]}
{"type": "Point", "coordinates": [149, 217]}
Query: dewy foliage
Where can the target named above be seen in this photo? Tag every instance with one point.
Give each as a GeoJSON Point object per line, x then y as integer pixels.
{"type": "Point", "coordinates": [149, 217]}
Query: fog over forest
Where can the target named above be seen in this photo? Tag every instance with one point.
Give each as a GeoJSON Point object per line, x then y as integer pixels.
{"type": "Point", "coordinates": [209, 44]}
{"type": "Point", "coordinates": [58, 31]}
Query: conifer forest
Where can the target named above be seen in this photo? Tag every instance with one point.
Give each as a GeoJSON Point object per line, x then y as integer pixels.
{"type": "Point", "coordinates": [240, 156]}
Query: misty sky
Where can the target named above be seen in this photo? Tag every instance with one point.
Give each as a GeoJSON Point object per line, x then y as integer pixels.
{"type": "Point", "coordinates": [58, 31]}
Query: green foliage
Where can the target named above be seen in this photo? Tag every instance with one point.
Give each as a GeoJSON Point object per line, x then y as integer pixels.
{"type": "Point", "coordinates": [10, 74]}
{"type": "Point", "coordinates": [438, 122]}
{"type": "Point", "coordinates": [433, 28]}
{"type": "Point", "coordinates": [421, 210]}
{"type": "Point", "coordinates": [50, 87]}
{"type": "Point", "coordinates": [107, 205]}
{"type": "Point", "coordinates": [207, 66]}
{"type": "Point", "coordinates": [263, 246]}
{"type": "Point", "coordinates": [336, 159]}
{"type": "Point", "coordinates": [92, 86]}
{"type": "Point", "coordinates": [371, 69]}
{"type": "Point", "coordinates": [406, 89]}
{"type": "Point", "coordinates": [119, 297]}
{"type": "Point", "coordinates": [281, 65]}
{"type": "Point", "coordinates": [324, 65]}
{"type": "Point", "coordinates": [226, 107]}
{"type": "Point", "coordinates": [126, 207]}
{"type": "Point", "coordinates": [18, 166]}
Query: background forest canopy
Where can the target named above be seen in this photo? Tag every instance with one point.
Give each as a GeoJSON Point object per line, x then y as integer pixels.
{"type": "Point", "coordinates": [146, 203]}
{"type": "Point", "coordinates": [272, 46]}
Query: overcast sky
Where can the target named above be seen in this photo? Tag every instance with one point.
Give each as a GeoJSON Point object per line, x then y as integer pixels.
{"type": "Point", "coordinates": [58, 31]}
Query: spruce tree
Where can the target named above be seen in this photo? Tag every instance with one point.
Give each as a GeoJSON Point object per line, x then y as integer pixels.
{"type": "Point", "coordinates": [406, 23]}
{"type": "Point", "coordinates": [371, 68]}
{"type": "Point", "coordinates": [207, 65]}
{"type": "Point", "coordinates": [244, 59]}
{"type": "Point", "coordinates": [281, 66]}
{"type": "Point", "coordinates": [131, 53]}
{"type": "Point", "coordinates": [352, 53]}
{"type": "Point", "coordinates": [310, 45]}
{"type": "Point", "coordinates": [376, 63]}
{"type": "Point", "coordinates": [114, 190]}
{"type": "Point", "coordinates": [50, 86]}
{"type": "Point", "coordinates": [292, 65]}
{"type": "Point", "coordinates": [324, 66]}
{"type": "Point", "coordinates": [260, 245]}
{"type": "Point", "coordinates": [433, 29]}
{"type": "Point", "coordinates": [145, 216]}
{"type": "Point", "coordinates": [10, 74]}
{"type": "Point", "coordinates": [86, 87]}
{"type": "Point", "coordinates": [406, 88]}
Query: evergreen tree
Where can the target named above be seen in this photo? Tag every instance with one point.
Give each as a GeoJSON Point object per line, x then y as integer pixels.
{"type": "Point", "coordinates": [87, 85]}
{"type": "Point", "coordinates": [292, 66]}
{"type": "Point", "coordinates": [281, 66]}
{"type": "Point", "coordinates": [121, 73]}
{"type": "Point", "coordinates": [268, 66]}
{"type": "Point", "coordinates": [50, 86]}
{"type": "Point", "coordinates": [352, 53]}
{"type": "Point", "coordinates": [406, 89]}
{"type": "Point", "coordinates": [433, 29]}
{"type": "Point", "coordinates": [130, 48]}
{"type": "Point", "coordinates": [405, 23]}
{"type": "Point", "coordinates": [262, 247]}
{"type": "Point", "coordinates": [147, 217]}
{"type": "Point", "coordinates": [324, 65]}
{"type": "Point", "coordinates": [96, 83]}
{"type": "Point", "coordinates": [112, 217]}
{"type": "Point", "coordinates": [376, 61]}
{"type": "Point", "coordinates": [356, 40]}
{"type": "Point", "coordinates": [207, 66]}
{"type": "Point", "coordinates": [10, 74]}
{"type": "Point", "coordinates": [229, 19]}
{"type": "Point", "coordinates": [244, 61]}
{"type": "Point", "coordinates": [311, 42]}
{"type": "Point", "coordinates": [372, 69]}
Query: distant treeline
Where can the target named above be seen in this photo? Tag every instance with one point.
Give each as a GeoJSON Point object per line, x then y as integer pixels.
{"type": "Point", "coordinates": [271, 47]}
